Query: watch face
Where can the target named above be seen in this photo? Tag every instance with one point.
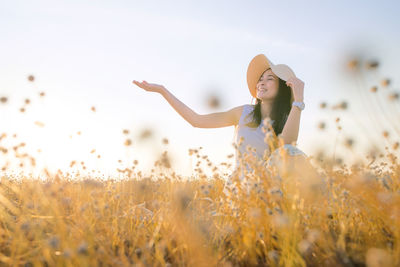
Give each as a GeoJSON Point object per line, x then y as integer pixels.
{"type": "Point", "coordinates": [301, 105]}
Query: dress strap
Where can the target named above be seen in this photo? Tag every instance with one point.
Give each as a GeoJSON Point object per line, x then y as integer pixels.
{"type": "Point", "coordinates": [244, 118]}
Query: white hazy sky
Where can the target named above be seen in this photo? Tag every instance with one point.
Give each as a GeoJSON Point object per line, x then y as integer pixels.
{"type": "Point", "coordinates": [86, 53]}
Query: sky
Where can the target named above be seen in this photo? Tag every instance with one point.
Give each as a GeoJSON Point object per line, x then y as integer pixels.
{"type": "Point", "coordinates": [86, 53]}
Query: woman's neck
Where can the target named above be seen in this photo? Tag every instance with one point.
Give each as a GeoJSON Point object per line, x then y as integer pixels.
{"type": "Point", "coordinates": [266, 107]}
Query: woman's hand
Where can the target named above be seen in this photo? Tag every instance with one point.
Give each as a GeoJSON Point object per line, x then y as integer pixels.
{"type": "Point", "coordinates": [297, 86]}
{"type": "Point", "coordinates": [149, 87]}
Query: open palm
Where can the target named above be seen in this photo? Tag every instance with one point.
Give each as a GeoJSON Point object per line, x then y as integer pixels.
{"type": "Point", "coordinates": [149, 87]}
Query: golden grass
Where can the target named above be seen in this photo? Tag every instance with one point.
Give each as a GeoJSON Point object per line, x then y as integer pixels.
{"type": "Point", "coordinates": [308, 217]}
{"type": "Point", "coordinates": [293, 212]}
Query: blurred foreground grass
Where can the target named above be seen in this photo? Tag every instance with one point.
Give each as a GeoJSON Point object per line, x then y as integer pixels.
{"type": "Point", "coordinates": [334, 218]}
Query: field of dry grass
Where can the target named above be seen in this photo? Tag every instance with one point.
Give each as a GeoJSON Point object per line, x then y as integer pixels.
{"type": "Point", "coordinates": [299, 212]}
{"type": "Point", "coordinates": [337, 218]}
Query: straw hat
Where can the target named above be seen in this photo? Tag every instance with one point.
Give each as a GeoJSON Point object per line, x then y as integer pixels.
{"type": "Point", "coordinates": [261, 63]}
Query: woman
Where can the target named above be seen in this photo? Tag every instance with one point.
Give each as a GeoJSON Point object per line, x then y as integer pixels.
{"type": "Point", "coordinates": [279, 100]}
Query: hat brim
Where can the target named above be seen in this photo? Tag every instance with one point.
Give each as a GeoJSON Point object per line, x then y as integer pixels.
{"type": "Point", "coordinates": [261, 63]}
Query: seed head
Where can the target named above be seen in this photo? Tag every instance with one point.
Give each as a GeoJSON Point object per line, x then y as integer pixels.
{"type": "Point", "coordinates": [83, 248]}
{"type": "Point", "coordinates": [371, 65]}
{"type": "Point", "coordinates": [385, 82]}
{"type": "Point", "coordinates": [349, 142]}
{"type": "Point", "coordinates": [393, 96]}
{"type": "Point", "coordinates": [128, 142]}
{"type": "Point", "coordinates": [353, 64]}
{"type": "Point", "coordinates": [374, 89]}
{"type": "Point", "coordinates": [385, 134]}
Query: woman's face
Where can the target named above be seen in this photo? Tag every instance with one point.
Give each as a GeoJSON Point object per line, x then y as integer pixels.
{"type": "Point", "coordinates": [267, 86]}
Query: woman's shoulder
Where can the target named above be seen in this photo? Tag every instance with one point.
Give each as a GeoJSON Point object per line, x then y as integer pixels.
{"type": "Point", "coordinates": [249, 108]}
{"type": "Point", "coordinates": [246, 109]}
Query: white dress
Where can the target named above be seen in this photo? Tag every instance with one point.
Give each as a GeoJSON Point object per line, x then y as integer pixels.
{"type": "Point", "coordinates": [254, 138]}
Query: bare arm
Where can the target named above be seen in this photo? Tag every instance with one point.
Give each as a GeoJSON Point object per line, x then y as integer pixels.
{"type": "Point", "coordinates": [290, 131]}
{"type": "Point", "coordinates": [213, 120]}
{"type": "Point", "coordinates": [187, 113]}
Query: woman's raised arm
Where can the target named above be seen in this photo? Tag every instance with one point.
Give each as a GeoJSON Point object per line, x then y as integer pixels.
{"type": "Point", "coordinates": [213, 120]}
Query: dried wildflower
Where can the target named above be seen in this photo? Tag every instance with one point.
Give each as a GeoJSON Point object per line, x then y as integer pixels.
{"type": "Point", "coordinates": [321, 125]}
{"type": "Point", "coordinates": [267, 121]}
{"type": "Point", "coordinates": [165, 141]}
{"type": "Point", "coordinates": [42, 94]}
{"type": "Point", "coordinates": [349, 142]}
{"type": "Point", "coordinates": [164, 160]}
{"type": "Point", "coordinates": [183, 199]}
{"type": "Point", "coordinates": [323, 105]}
{"type": "Point", "coordinates": [128, 142]}
{"type": "Point", "coordinates": [138, 252]}
{"type": "Point", "coordinates": [371, 65]}
{"type": "Point", "coordinates": [343, 105]}
{"type": "Point", "coordinates": [40, 124]}
{"type": "Point", "coordinates": [83, 248]}
{"type": "Point", "coordinates": [22, 110]}
{"type": "Point", "coordinates": [337, 119]}
{"type": "Point", "coordinates": [25, 226]}
{"type": "Point", "coordinates": [374, 89]}
{"type": "Point", "coordinates": [67, 253]}
{"type": "Point", "coordinates": [241, 140]}
{"type": "Point", "coordinates": [393, 96]}
{"type": "Point", "coordinates": [385, 82]}
{"type": "Point", "coordinates": [53, 242]}
{"type": "Point", "coordinates": [3, 99]}
{"type": "Point", "coordinates": [249, 148]}
{"type": "Point", "coordinates": [93, 109]}
{"type": "Point", "coordinates": [385, 134]}
{"type": "Point", "coordinates": [27, 101]}
{"type": "Point", "coordinates": [92, 151]}
{"type": "Point", "coordinates": [31, 78]}
{"type": "Point", "coordinates": [396, 146]}
{"type": "Point", "coordinates": [353, 64]}
{"type": "Point", "coordinates": [146, 133]}
{"type": "Point", "coordinates": [125, 131]}
{"type": "Point", "coordinates": [213, 101]}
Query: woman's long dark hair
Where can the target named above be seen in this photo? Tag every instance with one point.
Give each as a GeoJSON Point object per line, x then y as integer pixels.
{"type": "Point", "coordinates": [280, 109]}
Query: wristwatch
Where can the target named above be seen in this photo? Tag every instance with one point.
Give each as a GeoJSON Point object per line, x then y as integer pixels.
{"type": "Point", "coordinates": [300, 105]}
